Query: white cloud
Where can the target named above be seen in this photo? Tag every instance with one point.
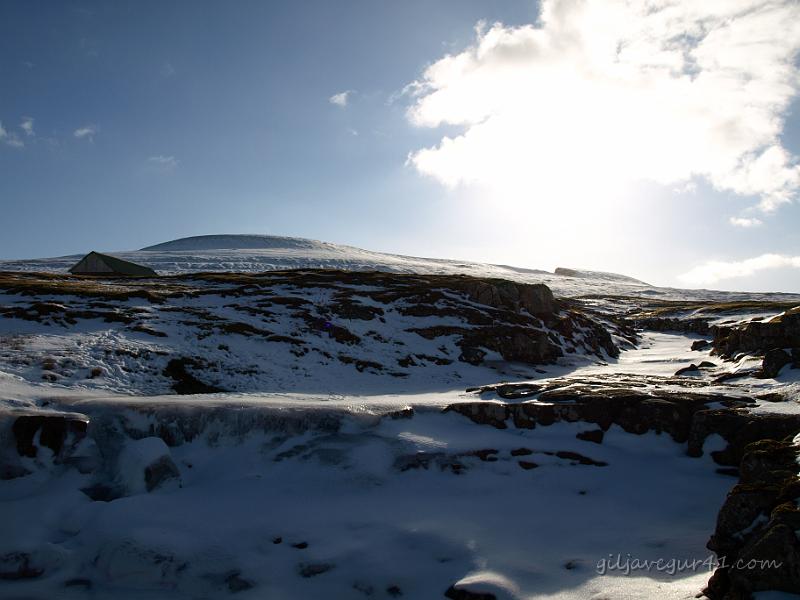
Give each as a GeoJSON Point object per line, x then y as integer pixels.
{"type": "Point", "coordinates": [167, 70]}
{"type": "Point", "coordinates": [10, 139]}
{"type": "Point", "coordinates": [27, 125]}
{"type": "Point", "coordinates": [85, 132]}
{"type": "Point", "coordinates": [714, 271]}
{"type": "Point", "coordinates": [163, 163]}
{"type": "Point", "coordinates": [745, 222]}
{"type": "Point", "coordinates": [598, 95]}
{"type": "Point", "coordinates": [342, 98]}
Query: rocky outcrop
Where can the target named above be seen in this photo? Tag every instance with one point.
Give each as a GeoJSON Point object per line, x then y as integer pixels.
{"type": "Point", "coordinates": [696, 325]}
{"type": "Point", "coordinates": [637, 404]}
{"type": "Point", "coordinates": [755, 538]}
{"type": "Point", "coordinates": [758, 337]}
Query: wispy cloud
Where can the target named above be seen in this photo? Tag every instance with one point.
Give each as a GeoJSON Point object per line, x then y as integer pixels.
{"type": "Point", "coordinates": [27, 125]}
{"type": "Point", "coordinates": [88, 131]}
{"type": "Point", "coordinates": [342, 98]}
{"type": "Point", "coordinates": [10, 138]}
{"type": "Point", "coordinates": [605, 93]}
{"type": "Point", "coordinates": [713, 271]}
{"type": "Point", "coordinates": [167, 70]}
{"type": "Point", "coordinates": [746, 222]}
{"type": "Point", "coordinates": [163, 163]}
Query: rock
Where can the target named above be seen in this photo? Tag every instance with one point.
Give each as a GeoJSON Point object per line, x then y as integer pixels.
{"type": "Point", "coordinates": [577, 458]}
{"type": "Point", "coordinates": [593, 435]}
{"type": "Point", "coordinates": [782, 331]}
{"type": "Point", "coordinates": [54, 431]}
{"type": "Point", "coordinates": [755, 537]}
{"type": "Point", "coordinates": [473, 356]}
{"type": "Point", "coordinates": [528, 465]}
{"type": "Point", "coordinates": [700, 345]}
{"type": "Point", "coordinates": [144, 465]}
{"type": "Point", "coordinates": [738, 428]}
{"type": "Point", "coordinates": [18, 565]}
{"type": "Point", "coordinates": [313, 569]}
{"type": "Point", "coordinates": [185, 382]}
{"type": "Point", "coordinates": [707, 364]}
{"type": "Point", "coordinates": [774, 361]}
{"type": "Point", "coordinates": [461, 594]}
{"type": "Point", "coordinates": [236, 583]}
{"type": "Point", "coordinates": [697, 325]}
{"type": "Point", "coordinates": [693, 368]}
{"type": "Point", "coordinates": [521, 452]}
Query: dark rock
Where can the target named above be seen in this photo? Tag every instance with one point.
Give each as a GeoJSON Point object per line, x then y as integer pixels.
{"type": "Point", "coordinates": [235, 582]}
{"type": "Point", "coordinates": [695, 325]}
{"type": "Point", "coordinates": [593, 435]}
{"type": "Point", "coordinates": [693, 368]}
{"type": "Point", "coordinates": [300, 545]}
{"type": "Point", "coordinates": [185, 382]}
{"type": "Point", "coordinates": [707, 364]}
{"type": "Point", "coordinates": [461, 594]}
{"type": "Point", "coordinates": [755, 538]}
{"type": "Point", "coordinates": [394, 591]}
{"type": "Point", "coordinates": [18, 565]}
{"type": "Point", "coordinates": [54, 430]}
{"type": "Point", "coordinates": [100, 492]}
{"type": "Point", "coordinates": [79, 582]}
{"type": "Point", "coordinates": [700, 345]}
{"type": "Point", "coordinates": [528, 465]}
{"type": "Point", "coordinates": [521, 452]}
{"type": "Point", "coordinates": [738, 428]}
{"type": "Point", "coordinates": [774, 361]}
{"type": "Point", "coordinates": [159, 472]}
{"type": "Point", "coordinates": [473, 356]}
{"type": "Point", "coordinates": [579, 458]}
{"type": "Point", "coordinates": [782, 331]}
{"type": "Point", "coordinates": [313, 569]}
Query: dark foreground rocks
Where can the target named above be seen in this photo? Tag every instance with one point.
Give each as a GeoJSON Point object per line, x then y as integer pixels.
{"type": "Point", "coordinates": [755, 538]}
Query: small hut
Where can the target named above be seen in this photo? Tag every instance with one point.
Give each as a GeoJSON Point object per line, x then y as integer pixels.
{"type": "Point", "coordinates": [95, 263]}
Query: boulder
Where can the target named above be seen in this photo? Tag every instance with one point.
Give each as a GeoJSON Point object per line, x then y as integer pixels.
{"type": "Point", "coordinates": [144, 465]}
{"type": "Point", "coordinates": [774, 361]}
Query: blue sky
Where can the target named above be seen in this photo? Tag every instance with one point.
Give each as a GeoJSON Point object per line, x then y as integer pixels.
{"type": "Point", "coordinates": [130, 123]}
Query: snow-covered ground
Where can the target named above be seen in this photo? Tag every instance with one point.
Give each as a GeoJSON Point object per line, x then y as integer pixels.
{"type": "Point", "coordinates": [317, 477]}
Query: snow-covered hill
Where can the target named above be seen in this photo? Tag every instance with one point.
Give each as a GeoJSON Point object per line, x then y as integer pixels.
{"type": "Point", "coordinates": [256, 253]}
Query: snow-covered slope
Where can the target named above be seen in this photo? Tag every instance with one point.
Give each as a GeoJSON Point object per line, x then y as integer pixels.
{"type": "Point", "coordinates": [255, 253]}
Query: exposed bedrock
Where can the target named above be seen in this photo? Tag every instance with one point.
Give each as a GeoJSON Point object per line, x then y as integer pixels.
{"type": "Point", "coordinates": [637, 405]}
{"type": "Point", "coordinates": [782, 331]}
{"type": "Point", "coordinates": [696, 325]}
{"type": "Point", "coordinates": [755, 538]}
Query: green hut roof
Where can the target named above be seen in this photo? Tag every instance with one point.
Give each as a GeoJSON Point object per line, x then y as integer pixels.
{"type": "Point", "coordinates": [115, 265]}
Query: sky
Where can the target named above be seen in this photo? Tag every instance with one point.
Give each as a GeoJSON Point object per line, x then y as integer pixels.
{"type": "Point", "coordinates": [659, 139]}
